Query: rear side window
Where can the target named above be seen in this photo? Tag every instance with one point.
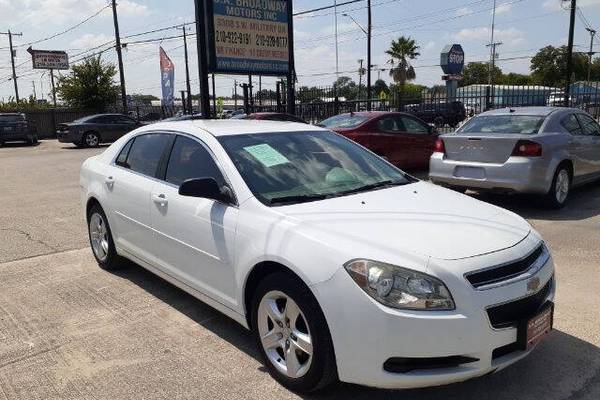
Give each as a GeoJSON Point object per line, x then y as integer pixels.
{"type": "Point", "coordinates": [122, 158]}
{"type": "Point", "coordinates": [389, 124]}
{"type": "Point", "coordinates": [190, 159]}
{"type": "Point", "coordinates": [146, 152]}
{"type": "Point", "coordinates": [571, 124]}
{"type": "Point", "coordinates": [413, 126]}
{"type": "Point", "coordinates": [590, 127]}
{"type": "Point", "coordinates": [344, 121]}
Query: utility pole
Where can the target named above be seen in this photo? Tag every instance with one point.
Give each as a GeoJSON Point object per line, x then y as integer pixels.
{"type": "Point", "coordinates": [591, 52]}
{"type": "Point", "coordinates": [235, 94]}
{"type": "Point", "coordinates": [12, 60]}
{"type": "Point", "coordinates": [369, 29]}
{"type": "Point", "coordinates": [492, 45]}
{"type": "Point", "coordinates": [202, 58]}
{"type": "Point", "coordinates": [570, 51]}
{"type": "Point", "coordinates": [187, 73]}
{"type": "Point", "coordinates": [119, 56]}
{"type": "Point", "coordinates": [53, 88]}
{"type": "Point", "coordinates": [360, 74]}
{"type": "Point", "coordinates": [214, 96]}
{"type": "Point", "coordinates": [33, 86]}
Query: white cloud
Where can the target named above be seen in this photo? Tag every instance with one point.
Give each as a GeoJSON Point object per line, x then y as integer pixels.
{"type": "Point", "coordinates": [90, 40]}
{"type": "Point", "coordinates": [503, 8]}
{"type": "Point", "coordinates": [461, 12]}
{"type": "Point", "coordinates": [510, 36]}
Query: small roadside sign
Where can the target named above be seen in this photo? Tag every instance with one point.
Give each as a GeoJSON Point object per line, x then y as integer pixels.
{"type": "Point", "coordinates": [49, 59]}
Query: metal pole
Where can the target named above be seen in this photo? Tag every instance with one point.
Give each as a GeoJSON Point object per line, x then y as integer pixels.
{"type": "Point", "coordinates": [337, 59]}
{"type": "Point", "coordinates": [183, 101]}
{"type": "Point", "coordinates": [12, 60]}
{"type": "Point", "coordinates": [53, 89]}
{"type": "Point", "coordinates": [591, 52]}
{"type": "Point", "coordinates": [34, 94]}
{"type": "Point", "coordinates": [360, 74]}
{"type": "Point", "coordinates": [235, 94]}
{"type": "Point", "coordinates": [570, 51]}
{"type": "Point", "coordinates": [119, 56]}
{"type": "Point", "coordinates": [250, 93]}
{"type": "Point", "coordinates": [214, 93]}
{"type": "Point", "coordinates": [369, 29]}
{"type": "Point", "coordinates": [492, 47]}
{"type": "Point", "coordinates": [187, 73]}
{"type": "Point", "coordinates": [202, 61]}
{"type": "Point", "coordinates": [291, 76]}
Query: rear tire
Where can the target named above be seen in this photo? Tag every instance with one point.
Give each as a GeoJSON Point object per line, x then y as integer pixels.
{"type": "Point", "coordinates": [295, 324]}
{"type": "Point", "coordinates": [558, 195]}
{"type": "Point", "coordinates": [101, 241]}
{"type": "Point", "coordinates": [91, 139]}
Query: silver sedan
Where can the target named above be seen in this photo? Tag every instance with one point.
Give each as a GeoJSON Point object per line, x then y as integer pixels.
{"type": "Point", "coordinates": [538, 150]}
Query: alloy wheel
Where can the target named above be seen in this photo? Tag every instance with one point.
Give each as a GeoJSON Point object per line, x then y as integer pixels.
{"type": "Point", "coordinates": [562, 186]}
{"type": "Point", "coordinates": [91, 139]}
{"type": "Point", "coordinates": [284, 334]}
{"type": "Point", "coordinates": [99, 237]}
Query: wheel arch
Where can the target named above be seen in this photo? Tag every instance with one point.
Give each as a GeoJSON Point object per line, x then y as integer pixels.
{"type": "Point", "coordinates": [91, 201]}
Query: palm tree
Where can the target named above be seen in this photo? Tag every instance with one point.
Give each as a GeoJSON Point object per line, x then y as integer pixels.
{"type": "Point", "coordinates": [401, 52]}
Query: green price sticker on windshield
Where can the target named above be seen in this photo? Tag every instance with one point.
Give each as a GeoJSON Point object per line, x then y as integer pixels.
{"type": "Point", "coordinates": [266, 155]}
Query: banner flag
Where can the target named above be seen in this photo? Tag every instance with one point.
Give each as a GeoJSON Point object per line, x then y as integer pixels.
{"type": "Point", "coordinates": [167, 72]}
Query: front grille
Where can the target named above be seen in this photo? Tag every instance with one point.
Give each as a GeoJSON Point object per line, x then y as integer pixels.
{"type": "Point", "coordinates": [505, 272]}
{"type": "Point", "coordinates": [509, 314]}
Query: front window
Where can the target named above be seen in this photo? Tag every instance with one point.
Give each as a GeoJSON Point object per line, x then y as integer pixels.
{"type": "Point", "coordinates": [527, 124]}
{"type": "Point", "coordinates": [343, 121]}
{"type": "Point", "coordinates": [288, 168]}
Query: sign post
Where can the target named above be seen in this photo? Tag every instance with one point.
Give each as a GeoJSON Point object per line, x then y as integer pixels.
{"type": "Point", "coordinates": [247, 38]}
{"type": "Point", "coordinates": [452, 61]}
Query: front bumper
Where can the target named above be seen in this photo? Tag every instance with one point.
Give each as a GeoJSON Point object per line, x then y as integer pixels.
{"type": "Point", "coordinates": [366, 334]}
{"type": "Point", "coordinates": [517, 174]}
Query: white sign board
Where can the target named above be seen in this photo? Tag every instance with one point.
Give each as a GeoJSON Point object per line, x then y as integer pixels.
{"type": "Point", "coordinates": [43, 59]}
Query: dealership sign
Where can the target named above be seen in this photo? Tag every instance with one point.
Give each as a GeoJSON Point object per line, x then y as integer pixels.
{"type": "Point", "coordinates": [49, 59]}
{"type": "Point", "coordinates": [452, 59]}
{"type": "Point", "coordinates": [249, 36]}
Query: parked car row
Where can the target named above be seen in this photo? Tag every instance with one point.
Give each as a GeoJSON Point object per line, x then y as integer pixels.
{"type": "Point", "coordinates": [15, 128]}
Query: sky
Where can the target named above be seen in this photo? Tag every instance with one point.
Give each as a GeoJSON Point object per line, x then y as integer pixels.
{"type": "Point", "coordinates": [523, 27]}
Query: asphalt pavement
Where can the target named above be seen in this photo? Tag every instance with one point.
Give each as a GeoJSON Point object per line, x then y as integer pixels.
{"type": "Point", "coordinates": [69, 330]}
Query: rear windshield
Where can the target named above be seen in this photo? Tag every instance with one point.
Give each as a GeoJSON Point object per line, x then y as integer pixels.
{"type": "Point", "coordinates": [527, 124]}
{"type": "Point", "coordinates": [12, 118]}
{"type": "Point", "coordinates": [343, 121]}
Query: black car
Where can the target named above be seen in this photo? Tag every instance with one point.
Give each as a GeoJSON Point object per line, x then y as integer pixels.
{"type": "Point", "coordinates": [14, 127]}
{"type": "Point", "coordinates": [95, 129]}
{"type": "Point", "coordinates": [440, 113]}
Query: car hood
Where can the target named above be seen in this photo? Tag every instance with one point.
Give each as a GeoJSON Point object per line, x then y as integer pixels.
{"type": "Point", "coordinates": [419, 218]}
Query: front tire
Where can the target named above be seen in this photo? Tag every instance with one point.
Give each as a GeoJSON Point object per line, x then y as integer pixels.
{"type": "Point", "coordinates": [101, 241]}
{"type": "Point", "coordinates": [292, 335]}
{"type": "Point", "coordinates": [560, 189]}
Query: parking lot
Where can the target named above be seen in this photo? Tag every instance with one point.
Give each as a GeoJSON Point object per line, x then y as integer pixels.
{"type": "Point", "coordinates": [70, 330]}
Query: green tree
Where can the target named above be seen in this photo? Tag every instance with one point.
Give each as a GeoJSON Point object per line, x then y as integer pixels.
{"type": "Point", "coordinates": [401, 52]}
{"type": "Point", "coordinates": [378, 87]}
{"type": "Point", "coordinates": [346, 87]}
{"type": "Point", "coordinates": [478, 74]}
{"type": "Point", "coordinates": [549, 66]}
{"type": "Point", "coordinates": [143, 98]}
{"type": "Point", "coordinates": [513, 78]}
{"type": "Point", "coordinates": [89, 85]}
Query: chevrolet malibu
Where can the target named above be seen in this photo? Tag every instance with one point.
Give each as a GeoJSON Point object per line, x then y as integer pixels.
{"type": "Point", "coordinates": [342, 266]}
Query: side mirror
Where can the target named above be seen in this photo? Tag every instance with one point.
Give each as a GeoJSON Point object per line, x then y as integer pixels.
{"type": "Point", "coordinates": [206, 188]}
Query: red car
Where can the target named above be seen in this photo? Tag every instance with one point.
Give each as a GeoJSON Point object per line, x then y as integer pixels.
{"type": "Point", "coordinates": [401, 138]}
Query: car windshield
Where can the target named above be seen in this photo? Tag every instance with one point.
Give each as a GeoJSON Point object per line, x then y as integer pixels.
{"type": "Point", "coordinates": [528, 124]}
{"type": "Point", "coordinates": [288, 168]}
{"type": "Point", "coordinates": [343, 121]}
{"type": "Point", "coordinates": [11, 118]}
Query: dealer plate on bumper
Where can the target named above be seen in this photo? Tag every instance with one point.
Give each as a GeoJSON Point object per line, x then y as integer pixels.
{"type": "Point", "coordinates": [462, 171]}
{"type": "Point", "coordinates": [539, 327]}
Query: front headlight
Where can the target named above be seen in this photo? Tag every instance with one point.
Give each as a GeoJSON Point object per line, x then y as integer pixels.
{"type": "Point", "coordinates": [399, 287]}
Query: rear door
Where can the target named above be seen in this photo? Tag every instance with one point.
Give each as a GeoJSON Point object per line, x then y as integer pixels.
{"type": "Point", "coordinates": [577, 147]}
{"type": "Point", "coordinates": [129, 185]}
{"type": "Point", "coordinates": [591, 153]}
{"type": "Point", "coordinates": [387, 141]}
{"type": "Point", "coordinates": [420, 141]}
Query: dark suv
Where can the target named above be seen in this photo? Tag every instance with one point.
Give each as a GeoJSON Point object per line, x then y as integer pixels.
{"type": "Point", "coordinates": [14, 127]}
{"type": "Point", "coordinates": [439, 114]}
{"type": "Point", "coordinates": [95, 129]}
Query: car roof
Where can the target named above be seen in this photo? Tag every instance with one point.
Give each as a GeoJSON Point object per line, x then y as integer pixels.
{"type": "Point", "coordinates": [230, 127]}
{"type": "Point", "coordinates": [373, 114]}
{"type": "Point", "coordinates": [541, 111]}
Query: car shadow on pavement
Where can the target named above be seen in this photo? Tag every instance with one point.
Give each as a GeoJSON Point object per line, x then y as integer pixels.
{"type": "Point", "coordinates": [74, 147]}
{"type": "Point", "coordinates": [18, 144]}
{"type": "Point", "coordinates": [562, 367]}
{"type": "Point", "coordinates": [584, 203]}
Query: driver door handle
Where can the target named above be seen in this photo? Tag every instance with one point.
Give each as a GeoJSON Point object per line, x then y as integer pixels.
{"type": "Point", "coordinates": [160, 199]}
{"type": "Point", "coordinates": [110, 181]}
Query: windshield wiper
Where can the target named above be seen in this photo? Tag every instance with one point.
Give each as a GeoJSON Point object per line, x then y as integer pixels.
{"type": "Point", "coordinates": [382, 184]}
{"type": "Point", "coordinates": [302, 198]}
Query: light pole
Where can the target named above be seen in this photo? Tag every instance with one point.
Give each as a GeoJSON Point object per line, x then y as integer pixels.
{"type": "Point", "coordinates": [368, 33]}
{"type": "Point", "coordinates": [591, 52]}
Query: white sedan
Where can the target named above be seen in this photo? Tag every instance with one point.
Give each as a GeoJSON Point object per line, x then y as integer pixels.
{"type": "Point", "coordinates": [344, 267]}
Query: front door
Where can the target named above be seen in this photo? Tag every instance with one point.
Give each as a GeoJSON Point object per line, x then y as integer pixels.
{"type": "Point", "coordinates": [195, 236]}
{"type": "Point", "coordinates": [591, 130]}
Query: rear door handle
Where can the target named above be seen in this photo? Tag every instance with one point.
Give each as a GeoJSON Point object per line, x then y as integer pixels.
{"type": "Point", "coordinates": [160, 199]}
{"type": "Point", "coordinates": [110, 181]}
